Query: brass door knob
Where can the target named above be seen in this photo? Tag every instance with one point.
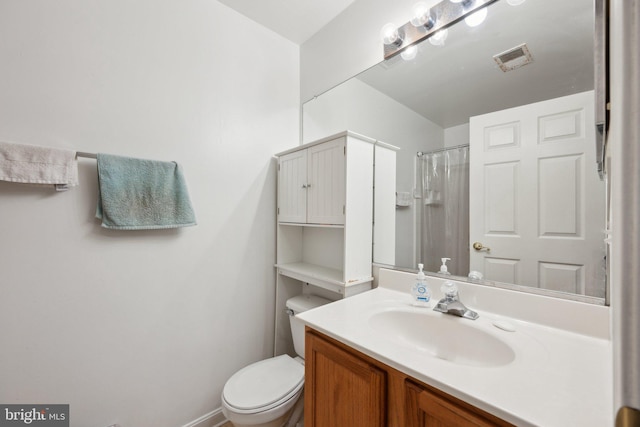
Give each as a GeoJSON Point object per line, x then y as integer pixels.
{"type": "Point", "coordinates": [480, 247]}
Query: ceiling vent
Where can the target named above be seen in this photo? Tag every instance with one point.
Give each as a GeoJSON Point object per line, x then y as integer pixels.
{"type": "Point", "coordinates": [513, 58]}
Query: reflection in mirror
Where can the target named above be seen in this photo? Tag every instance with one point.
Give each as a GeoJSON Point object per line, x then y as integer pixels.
{"type": "Point", "coordinates": [527, 190]}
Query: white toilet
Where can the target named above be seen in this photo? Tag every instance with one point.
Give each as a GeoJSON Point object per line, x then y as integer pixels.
{"type": "Point", "coordinates": [264, 393]}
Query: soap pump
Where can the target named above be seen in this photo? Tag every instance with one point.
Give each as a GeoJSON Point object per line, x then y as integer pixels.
{"type": "Point", "coordinates": [420, 292]}
{"type": "Point", "coordinates": [443, 267]}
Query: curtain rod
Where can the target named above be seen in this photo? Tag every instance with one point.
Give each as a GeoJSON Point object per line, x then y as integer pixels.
{"type": "Point", "coordinates": [422, 153]}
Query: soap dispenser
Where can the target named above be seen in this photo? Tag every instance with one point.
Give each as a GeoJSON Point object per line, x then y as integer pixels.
{"type": "Point", "coordinates": [420, 291]}
{"type": "Point", "coordinates": [443, 267]}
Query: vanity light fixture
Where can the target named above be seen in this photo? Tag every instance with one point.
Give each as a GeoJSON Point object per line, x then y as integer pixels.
{"type": "Point", "coordinates": [476, 18]}
{"type": "Point", "coordinates": [428, 20]}
{"type": "Point", "coordinates": [515, 2]}
{"type": "Point", "coordinates": [391, 35]}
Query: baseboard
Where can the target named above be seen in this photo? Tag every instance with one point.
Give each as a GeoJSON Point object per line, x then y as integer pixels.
{"type": "Point", "coordinates": [214, 418]}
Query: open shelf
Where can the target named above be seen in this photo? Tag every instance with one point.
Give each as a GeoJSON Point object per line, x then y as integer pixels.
{"type": "Point", "coordinates": [298, 224]}
{"type": "Point", "coordinates": [324, 277]}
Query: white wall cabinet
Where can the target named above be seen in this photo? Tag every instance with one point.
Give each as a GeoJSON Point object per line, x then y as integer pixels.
{"type": "Point", "coordinates": [325, 221]}
{"type": "Point", "coordinates": [325, 212]}
{"type": "Point", "coordinates": [311, 184]}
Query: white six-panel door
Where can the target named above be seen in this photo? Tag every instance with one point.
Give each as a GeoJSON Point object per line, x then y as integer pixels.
{"type": "Point", "coordinates": [536, 200]}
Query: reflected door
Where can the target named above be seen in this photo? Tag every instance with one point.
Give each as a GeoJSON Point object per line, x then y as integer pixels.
{"type": "Point", "coordinates": [536, 201]}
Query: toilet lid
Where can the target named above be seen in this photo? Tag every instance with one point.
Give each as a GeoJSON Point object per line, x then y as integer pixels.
{"type": "Point", "coordinates": [264, 383]}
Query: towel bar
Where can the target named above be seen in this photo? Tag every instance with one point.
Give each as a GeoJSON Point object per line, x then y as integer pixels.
{"type": "Point", "coordinates": [87, 155]}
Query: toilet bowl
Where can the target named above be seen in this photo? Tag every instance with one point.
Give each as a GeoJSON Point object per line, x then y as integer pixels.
{"type": "Point", "coordinates": [264, 393]}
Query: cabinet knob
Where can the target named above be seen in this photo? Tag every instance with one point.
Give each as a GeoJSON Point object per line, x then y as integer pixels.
{"type": "Point", "coordinates": [306, 185]}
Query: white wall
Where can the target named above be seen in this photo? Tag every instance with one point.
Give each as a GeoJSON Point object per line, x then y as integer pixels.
{"type": "Point", "coordinates": [358, 107]}
{"type": "Point", "coordinates": [140, 328]}
{"type": "Point", "coordinates": [456, 135]}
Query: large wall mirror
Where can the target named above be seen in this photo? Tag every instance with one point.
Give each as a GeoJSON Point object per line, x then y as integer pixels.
{"type": "Point", "coordinates": [496, 167]}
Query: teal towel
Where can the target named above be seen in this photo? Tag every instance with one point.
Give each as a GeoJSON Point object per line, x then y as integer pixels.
{"type": "Point", "coordinates": [137, 194]}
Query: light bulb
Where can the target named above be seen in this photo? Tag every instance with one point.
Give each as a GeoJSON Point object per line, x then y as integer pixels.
{"type": "Point", "coordinates": [422, 16]}
{"type": "Point", "coordinates": [476, 18]}
{"type": "Point", "coordinates": [515, 2]}
{"type": "Point", "coordinates": [418, 12]}
{"type": "Point", "coordinates": [390, 35]}
{"type": "Point", "coordinates": [438, 38]}
{"type": "Point", "coordinates": [409, 53]}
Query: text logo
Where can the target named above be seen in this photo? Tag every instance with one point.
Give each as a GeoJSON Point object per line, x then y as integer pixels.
{"type": "Point", "coordinates": [34, 415]}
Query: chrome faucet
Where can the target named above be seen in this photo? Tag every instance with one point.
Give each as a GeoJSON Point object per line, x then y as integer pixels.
{"type": "Point", "coordinates": [451, 303]}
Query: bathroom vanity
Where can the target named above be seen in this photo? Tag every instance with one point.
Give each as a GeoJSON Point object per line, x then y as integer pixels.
{"type": "Point", "coordinates": [378, 395]}
{"type": "Point", "coordinates": [376, 360]}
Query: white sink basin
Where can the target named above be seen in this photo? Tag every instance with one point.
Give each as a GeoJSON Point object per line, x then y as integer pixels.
{"type": "Point", "coordinates": [443, 336]}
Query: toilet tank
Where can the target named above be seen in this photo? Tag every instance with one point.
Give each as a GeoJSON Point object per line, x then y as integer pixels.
{"type": "Point", "coordinates": [296, 305]}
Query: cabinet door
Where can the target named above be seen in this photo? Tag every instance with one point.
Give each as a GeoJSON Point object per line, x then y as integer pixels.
{"type": "Point", "coordinates": [326, 183]}
{"type": "Point", "coordinates": [292, 187]}
{"type": "Point", "coordinates": [341, 389]}
{"type": "Point", "coordinates": [425, 408]}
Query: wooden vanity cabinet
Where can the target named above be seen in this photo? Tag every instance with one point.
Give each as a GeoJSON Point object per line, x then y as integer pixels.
{"type": "Point", "coordinates": [426, 407]}
{"type": "Point", "coordinates": [341, 388]}
{"type": "Point", "coordinates": [345, 388]}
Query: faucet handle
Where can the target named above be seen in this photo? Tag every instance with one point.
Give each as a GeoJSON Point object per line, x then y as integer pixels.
{"type": "Point", "coordinates": [450, 290]}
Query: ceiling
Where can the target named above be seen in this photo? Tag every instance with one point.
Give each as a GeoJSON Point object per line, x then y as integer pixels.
{"type": "Point", "coordinates": [296, 20]}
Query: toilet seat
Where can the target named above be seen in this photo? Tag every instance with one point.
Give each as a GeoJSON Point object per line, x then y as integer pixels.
{"type": "Point", "coordinates": [264, 385]}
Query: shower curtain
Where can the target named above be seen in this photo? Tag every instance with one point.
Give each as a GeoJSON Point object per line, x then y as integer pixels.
{"type": "Point", "coordinates": [443, 209]}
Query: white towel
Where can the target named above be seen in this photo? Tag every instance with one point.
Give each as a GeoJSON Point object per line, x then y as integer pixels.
{"type": "Point", "coordinates": [403, 198]}
{"type": "Point", "coordinates": [38, 165]}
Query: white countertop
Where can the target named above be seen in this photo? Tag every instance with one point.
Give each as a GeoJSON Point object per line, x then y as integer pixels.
{"type": "Point", "coordinates": [558, 377]}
